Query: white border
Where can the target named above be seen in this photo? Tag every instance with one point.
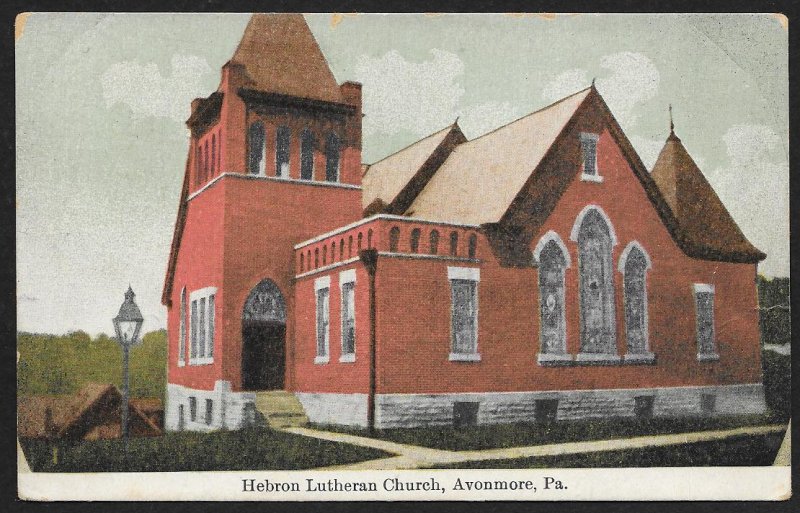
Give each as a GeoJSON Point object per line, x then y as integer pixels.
{"type": "Point", "coordinates": [345, 277]}
{"type": "Point", "coordinates": [464, 273]}
{"type": "Point", "coordinates": [703, 287]}
{"type": "Point", "coordinates": [623, 258]}
{"type": "Point", "coordinates": [323, 282]}
{"type": "Point", "coordinates": [647, 356]}
{"type": "Point", "coordinates": [196, 295]}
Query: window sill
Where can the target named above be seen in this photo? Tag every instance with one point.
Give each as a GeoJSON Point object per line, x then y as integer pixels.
{"type": "Point", "coordinates": [591, 178]}
{"type": "Point", "coordinates": [597, 359]}
{"type": "Point", "coordinates": [181, 363]}
{"type": "Point", "coordinates": [347, 358]}
{"type": "Point", "coordinates": [464, 357]}
{"type": "Point", "coordinates": [707, 357]}
{"type": "Point", "coordinates": [553, 360]}
{"type": "Point", "coordinates": [201, 361]}
{"type": "Point", "coordinates": [639, 358]}
{"type": "Point", "coordinates": [319, 360]}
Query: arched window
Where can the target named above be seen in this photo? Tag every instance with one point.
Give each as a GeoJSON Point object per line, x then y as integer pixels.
{"type": "Point", "coordinates": [360, 239]}
{"type": "Point", "coordinates": [341, 249]}
{"type": "Point", "coordinates": [634, 264]}
{"type": "Point", "coordinates": [182, 332]}
{"type": "Point", "coordinates": [219, 154]}
{"type": "Point", "coordinates": [302, 262]}
{"type": "Point", "coordinates": [552, 325]}
{"type": "Point", "coordinates": [333, 251]}
{"type": "Point", "coordinates": [369, 238]}
{"type": "Point", "coordinates": [316, 258]}
{"type": "Point", "coordinates": [283, 138]}
{"type": "Point", "coordinates": [473, 245]}
{"type": "Point", "coordinates": [308, 259]}
{"type": "Point", "coordinates": [434, 240]}
{"type": "Point", "coordinates": [204, 172]}
{"type": "Point", "coordinates": [415, 240]}
{"type": "Point", "coordinates": [596, 289]}
{"type": "Point", "coordinates": [213, 154]}
{"type": "Point", "coordinates": [454, 243]}
{"type": "Point", "coordinates": [306, 155]}
{"type": "Point", "coordinates": [324, 255]}
{"type": "Point", "coordinates": [394, 239]}
{"type": "Point", "coordinates": [255, 152]}
{"type": "Point", "coordinates": [198, 164]}
{"type": "Point", "coordinates": [332, 158]}
{"type": "Point", "coordinates": [350, 246]}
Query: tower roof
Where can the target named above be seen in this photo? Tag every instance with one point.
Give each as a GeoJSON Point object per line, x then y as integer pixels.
{"type": "Point", "coordinates": [280, 55]}
{"type": "Point", "coordinates": [703, 220]}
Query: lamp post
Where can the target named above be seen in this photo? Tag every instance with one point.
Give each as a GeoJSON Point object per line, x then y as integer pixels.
{"type": "Point", "coordinates": [127, 325]}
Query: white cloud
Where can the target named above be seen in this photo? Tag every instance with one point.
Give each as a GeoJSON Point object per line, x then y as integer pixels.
{"type": "Point", "coordinates": [633, 79]}
{"type": "Point", "coordinates": [755, 189]}
{"type": "Point", "coordinates": [147, 93]}
{"type": "Point", "coordinates": [422, 97]}
{"type": "Point", "coordinates": [648, 149]}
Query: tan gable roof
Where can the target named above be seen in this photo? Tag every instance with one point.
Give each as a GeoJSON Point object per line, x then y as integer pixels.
{"type": "Point", "coordinates": [386, 178]}
{"type": "Point", "coordinates": [281, 56]}
{"type": "Point", "coordinates": [481, 178]}
{"type": "Point", "coordinates": [705, 224]}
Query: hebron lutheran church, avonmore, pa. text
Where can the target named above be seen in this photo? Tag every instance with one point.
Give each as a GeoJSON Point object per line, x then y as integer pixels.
{"type": "Point", "coordinates": [536, 272]}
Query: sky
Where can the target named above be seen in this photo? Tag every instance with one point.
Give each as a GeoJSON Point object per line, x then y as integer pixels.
{"type": "Point", "coordinates": [101, 101]}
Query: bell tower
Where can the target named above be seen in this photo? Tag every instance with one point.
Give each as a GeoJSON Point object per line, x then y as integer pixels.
{"type": "Point", "coordinates": [274, 159]}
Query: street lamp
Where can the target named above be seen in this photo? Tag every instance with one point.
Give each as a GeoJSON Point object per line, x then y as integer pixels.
{"type": "Point", "coordinates": [127, 325]}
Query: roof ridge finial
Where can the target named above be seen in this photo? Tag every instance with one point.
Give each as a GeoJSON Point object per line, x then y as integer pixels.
{"type": "Point", "coordinates": [593, 79]}
{"type": "Point", "coordinates": [671, 124]}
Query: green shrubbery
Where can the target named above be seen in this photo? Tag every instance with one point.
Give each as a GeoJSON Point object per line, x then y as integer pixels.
{"type": "Point", "coordinates": [778, 383]}
{"type": "Point", "coordinates": [53, 364]}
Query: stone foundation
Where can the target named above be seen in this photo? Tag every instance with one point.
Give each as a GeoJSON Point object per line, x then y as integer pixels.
{"type": "Point", "coordinates": [339, 409]}
{"type": "Point", "coordinates": [229, 410]}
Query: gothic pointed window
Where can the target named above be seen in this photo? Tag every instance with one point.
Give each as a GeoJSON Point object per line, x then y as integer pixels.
{"type": "Point", "coordinates": [306, 155]}
{"type": "Point", "coordinates": [213, 154]}
{"type": "Point", "coordinates": [332, 158]}
{"type": "Point", "coordinates": [282, 142]}
{"type": "Point", "coordinates": [255, 144]}
{"type": "Point", "coordinates": [553, 332]}
{"type": "Point", "coordinates": [434, 242]}
{"type": "Point", "coordinates": [596, 287]}
{"type": "Point", "coordinates": [473, 246]}
{"type": "Point", "coordinates": [635, 292]}
{"type": "Point", "coordinates": [453, 243]}
{"type": "Point", "coordinates": [182, 331]}
{"type": "Point", "coordinates": [415, 240]}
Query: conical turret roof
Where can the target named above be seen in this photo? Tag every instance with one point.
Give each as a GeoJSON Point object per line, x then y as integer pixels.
{"type": "Point", "coordinates": [704, 222]}
{"type": "Point", "coordinates": [280, 55]}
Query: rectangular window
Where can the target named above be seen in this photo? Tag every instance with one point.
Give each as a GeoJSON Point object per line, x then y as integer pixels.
{"type": "Point", "coordinates": [201, 349]}
{"type": "Point", "coordinates": [589, 153]}
{"type": "Point", "coordinates": [643, 406]}
{"type": "Point", "coordinates": [193, 328]}
{"type": "Point", "coordinates": [182, 331]}
{"type": "Point", "coordinates": [545, 410]}
{"type": "Point", "coordinates": [211, 319]}
{"type": "Point", "coordinates": [348, 288]}
{"type": "Point", "coordinates": [193, 409]}
{"type": "Point", "coordinates": [708, 403]}
{"type": "Point", "coordinates": [704, 308]}
{"type": "Point", "coordinates": [202, 322]}
{"type": "Point", "coordinates": [283, 139]}
{"type": "Point", "coordinates": [209, 411]}
{"type": "Point", "coordinates": [306, 155]}
{"type": "Point", "coordinates": [322, 290]}
{"type": "Point", "coordinates": [464, 313]}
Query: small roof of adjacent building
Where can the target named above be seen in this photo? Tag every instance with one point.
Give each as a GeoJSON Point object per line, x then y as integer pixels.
{"type": "Point", "coordinates": [280, 55]}
{"type": "Point", "coordinates": [481, 178]}
{"type": "Point", "coordinates": [705, 224]}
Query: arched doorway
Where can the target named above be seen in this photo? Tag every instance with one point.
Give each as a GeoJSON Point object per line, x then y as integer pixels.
{"type": "Point", "coordinates": [264, 338]}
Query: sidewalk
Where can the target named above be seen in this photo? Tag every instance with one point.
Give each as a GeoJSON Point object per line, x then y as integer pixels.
{"type": "Point", "coordinates": [412, 456]}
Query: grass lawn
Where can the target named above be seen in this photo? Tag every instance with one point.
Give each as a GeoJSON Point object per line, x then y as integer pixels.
{"type": "Point", "coordinates": [512, 435]}
{"type": "Point", "coordinates": [739, 451]}
{"type": "Point", "coordinates": [250, 449]}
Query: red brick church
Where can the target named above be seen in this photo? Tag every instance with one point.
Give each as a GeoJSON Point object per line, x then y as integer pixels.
{"type": "Point", "coordinates": [538, 271]}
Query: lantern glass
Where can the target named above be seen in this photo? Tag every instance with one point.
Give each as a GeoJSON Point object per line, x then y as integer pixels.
{"type": "Point", "coordinates": [128, 331]}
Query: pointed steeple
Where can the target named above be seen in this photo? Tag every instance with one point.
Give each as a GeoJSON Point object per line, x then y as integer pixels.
{"type": "Point", "coordinates": [280, 55]}
{"type": "Point", "coordinates": [704, 222]}
{"type": "Point", "coordinates": [671, 124]}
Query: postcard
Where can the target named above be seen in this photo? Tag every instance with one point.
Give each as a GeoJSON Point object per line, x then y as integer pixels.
{"type": "Point", "coordinates": [293, 257]}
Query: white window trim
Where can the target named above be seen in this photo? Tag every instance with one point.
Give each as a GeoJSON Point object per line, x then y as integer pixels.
{"type": "Point", "coordinates": [703, 287]}
{"type": "Point", "coordinates": [345, 277]}
{"type": "Point", "coordinates": [623, 258]}
{"type": "Point", "coordinates": [591, 178]}
{"type": "Point", "coordinates": [196, 295]}
{"type": "Point", "coordinates": [183, 325]}
{"type": "Point", "coordinates": [553, 358]}
{"type": "Point", "coordinates": [576, 227]}
{"type": "Point", "coordinates": [464, 273]}
{"type": "Point", "coordinates": [469, 274]}
{"type": "Point", "coordinates": [323, 282]}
